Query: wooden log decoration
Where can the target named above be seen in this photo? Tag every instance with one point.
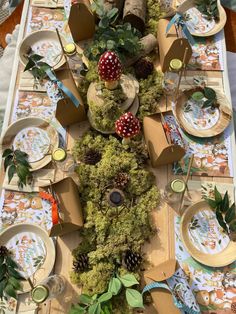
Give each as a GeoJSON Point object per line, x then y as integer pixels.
{"type": "Point", "coordinates": [110, 4]}
{"type": "Point", "coordinates": [148, 44]}
{"type": "Point", "coordinates": [135, 13]}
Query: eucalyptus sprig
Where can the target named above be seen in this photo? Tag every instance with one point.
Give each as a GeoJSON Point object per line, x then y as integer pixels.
{"type": "Point", "coordinates": [36, 67]}
{"type": "Point", "coordinates": [225, 213]}
{"type": "Point", "coordinates": [16, 162]}
{"type": "Point", "coordinates": [10, 278]}
{"type": "Point", "coordinates": [208, 8]}
{"type": "Point", "coordinates": [102, 304]}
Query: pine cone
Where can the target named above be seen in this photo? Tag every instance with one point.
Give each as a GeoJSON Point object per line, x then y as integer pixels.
{"type": "Point", "coordinates": [121, 180]}
{"type": "Point", "coordinates": [81, 263]}
{"type": "Point", "coordinates": [4, 251]}
{"type": "Point", "coordinates": [143, 67]}
{"type": "Point", "coordinates": [233, 307]}
{"type": "Point", "coordinates": [132, 260]}
{"type": "Point", "coordinates": [92, 156]}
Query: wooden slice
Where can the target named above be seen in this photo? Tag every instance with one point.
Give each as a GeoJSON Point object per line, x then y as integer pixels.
{"type": "Point", "coordinates": [46, 44]}
{"type": "Point", "coordinates": [128, 86]}
{"type": "Point", "coordinates": [19, 125]}
{"type": "Point", "coordinates": [43, 271]}
{"type": "Point", "coordinates": [219, 25]}
{"type": "Point", "coordinates": [223, 257]}
{"type": "Point", "coordinates": [225, 115]}
{"type": "Point", "coordinates": [133, 108]}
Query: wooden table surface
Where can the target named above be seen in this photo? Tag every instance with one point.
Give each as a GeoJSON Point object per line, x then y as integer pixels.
{"type": "Point", "coordinates": [161, 247]}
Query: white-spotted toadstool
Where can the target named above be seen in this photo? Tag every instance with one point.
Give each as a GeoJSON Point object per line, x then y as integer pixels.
{"type": "Point", "coordinates": [109, 69]}
{"type": "Point", "coordinates": [127, 126]}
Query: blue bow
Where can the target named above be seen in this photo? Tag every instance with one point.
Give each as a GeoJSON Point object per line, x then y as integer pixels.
{"type": "Point", "coordinates": [177, 303]}
{"type": "Point", "coordinates": [179, 21]}
{"type": "Point", "coordinates": [61, 86]}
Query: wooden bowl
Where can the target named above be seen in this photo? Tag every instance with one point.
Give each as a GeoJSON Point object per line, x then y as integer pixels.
{"type": "Point", "coordinates": [19, 125]}
{"type": "Point", "coordinates": [219, 25]}
{"type": "Point", "coordinates": [222, 258]}
{"type": "Point", "coordinates": [39, 38]}
{"type": "Point", "coordinates": [225, 115]}
{"type": "Point", "coordinates": [45, 269]}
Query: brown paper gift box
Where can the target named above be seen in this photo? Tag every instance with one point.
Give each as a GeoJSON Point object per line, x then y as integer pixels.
{"type": "Point", "coordinates": [162, 298]}
{"type": "Point", "coordinates": [69, 203]}
{"type": "Point", "coordinates": [170, 46]}
{"type": "Point", "coordinates": [160, 151]}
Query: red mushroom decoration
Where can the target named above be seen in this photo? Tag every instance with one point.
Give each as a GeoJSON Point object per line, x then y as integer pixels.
{"type": "Point", "coordinates": [109, 69]}
{"type": "Point", "coordinates": [127, 126]}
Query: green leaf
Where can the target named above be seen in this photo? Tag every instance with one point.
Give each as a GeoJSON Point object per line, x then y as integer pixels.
{"type": "Point", "coordinates": [209, 93]}
{"type": "Point", "coordinates": [3, 284]}
{"type": "Point", "coordinates": [128, 280]}
{"type": "Point", "coordinates": [3, 271]}
{"type": "Point", "coordinates": [29, 65]}
{"type": "Point", "coordinates": [207, 103]}
{"type": "Point", "coordinates": [95, 308]}
{"type": "Point", "coordinates": [77, 309]}
{"type": "Point", "coordinates": [14, 273]}
{"type": "Point", "coordinates": [232, 226]}
{"type": "Point", "coordinates": [85, 299]}
{"type": "Point", "coordinates": [111, 44]}
{"type": "Point", "coordinates": [7, 152]}
{"type": "Point", "coordinates": [94, 297]}
{"type": "Point", "coordinates": [11, 262]}
{"type": "Point", "coordinates": [134, 298]}
{"type": "Point", "coordinates": [105, 297]}
{"type": "Point", "coordinates": [9, 290]}
{"type": "Point", "coordinates": [15, 283]}
{"type": "Point", "coordinates": [114, 286]}
{"type": "Point", "coordinates": [218, 197]}
{"type": "Point", "coordinates": [1, 260]}
{"type": "Point", "coordinates": [225, 203]}
{"type": "Point", "coordinates": [35, 57]}
{"type": "Point", "coordinates": [8, 161]}
{"type": "Point", "coordinates": [211, 202]}
{"type": "Point", "coordinates": [221, 221]}
{"type": "Point", "coordinates": [230, 214]}
{"type": "Point", "coordinates": [11, 172]}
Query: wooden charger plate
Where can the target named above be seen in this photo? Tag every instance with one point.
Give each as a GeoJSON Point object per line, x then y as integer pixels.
{"type": "Point", "coordinates": [225, 114]}
{"type": "Point", "coordinates": [23, 123]}
{"type": "Point", "coordinates": [222, 258]}
{"type": "Point", "coordinates": [47, 37]}
{"type": "Point", "coordinates": [45, 269]}
{"type": "Point", "coordinates": [219, 25]}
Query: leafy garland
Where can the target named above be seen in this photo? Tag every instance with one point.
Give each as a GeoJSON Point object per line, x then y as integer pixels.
{"type": "Point", "coordinates": [106, 235]}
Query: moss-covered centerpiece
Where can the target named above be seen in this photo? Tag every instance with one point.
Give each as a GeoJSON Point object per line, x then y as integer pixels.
{"type": "Point", "coordinates": [112, 96]}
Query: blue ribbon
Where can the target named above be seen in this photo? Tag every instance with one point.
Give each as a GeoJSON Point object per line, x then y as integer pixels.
{"type": "Point", "coordinates": [61, 86]}
{"type": "Point", "coordinates": [177, 303]}
{"type": "Point", "coordinates": [178, 20]}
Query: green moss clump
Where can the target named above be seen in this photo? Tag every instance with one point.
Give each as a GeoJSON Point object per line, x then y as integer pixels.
{"type": "Point", "coordinates": [154, 13]}
{"type": "Point", "coordinates": [105, 116]}
{"type": "Point", "coordinates": [150, 94]}
{"type": "Point", "coordinates": [108, 231]}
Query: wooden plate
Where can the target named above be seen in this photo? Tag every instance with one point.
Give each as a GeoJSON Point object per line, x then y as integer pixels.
{"type": "Point", "coordinates": [225, 115]}
{"type": "Point", "coordinates": [44, 43]}
{"type": "Point", "coordinates": [19, 125]}
{"type": "Point", "coordinates": [34, 234]}
{"type": "Point", "coordinates": [219, 25]}
{"type": "Point", "coordinates": [206, 249]}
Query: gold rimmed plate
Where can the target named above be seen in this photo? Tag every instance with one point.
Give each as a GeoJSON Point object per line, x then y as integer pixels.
{"type": "Point", "coordinates": [203, 237]}
{"type": "Point", "coordinates": [32, 249]}
{"type": "Point", "coordinates": [34, 136]}
{"type": "Point", "coordinates": [199, 121]}
{"type": "Point", "coordinates": [44, 43]}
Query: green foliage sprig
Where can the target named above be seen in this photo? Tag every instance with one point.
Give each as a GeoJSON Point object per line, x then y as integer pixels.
{"type": "Point", "coordinates": [102, 305]}
{"type": "Point", "coordinates": [16, 161]}
{"type": "Point", "coordinates": [208, 8]}
{"type": "Point", "coordinates": [225, 213]}
{"type": "Point", "coordinates": [209, 94]}
{"type": "Point", "coordinates": [10, 278]}
{"type": "Point", "coordinates": [123, 39]}
{"type": "Point", "coordinates": [37, 67]}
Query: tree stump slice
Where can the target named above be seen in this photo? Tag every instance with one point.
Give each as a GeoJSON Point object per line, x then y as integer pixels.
{"type": "Point", "coordinates": [135, 13]}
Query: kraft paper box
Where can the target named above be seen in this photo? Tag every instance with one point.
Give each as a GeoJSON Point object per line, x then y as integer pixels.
{"type": "Point", "coordinates": [67, 113]}
{"type": "Point", "coordinates": [81, 21]}
{"type": "Point", "coordinates": [160, 151]}
{"type": "Point", "coordinates": [162, 298]}
{"type": "Point", "coordinates": [69, 203]}
{"type": "Point", "coordinates": [170, 46]}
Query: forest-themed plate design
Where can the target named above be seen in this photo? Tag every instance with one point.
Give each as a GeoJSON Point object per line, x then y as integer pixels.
{"type": "Point", "coordinates": [197, 23]}
{"type": "Point", "coordinates": [33, 141]}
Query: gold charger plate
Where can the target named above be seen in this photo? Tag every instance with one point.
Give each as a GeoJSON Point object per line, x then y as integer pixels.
{"type": "Point", "coordinates": [45, 269]}
{"type": "Point", "coordinates": [222, 258]}
{"type": "Point", "coordinates": [219, 25]}
{"type": "Point", "coordinates": [19, 125]}
{"type": "Point", "coordinates": [225, 114]}
{"type": "Point", "coordinates": [44, 42]}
